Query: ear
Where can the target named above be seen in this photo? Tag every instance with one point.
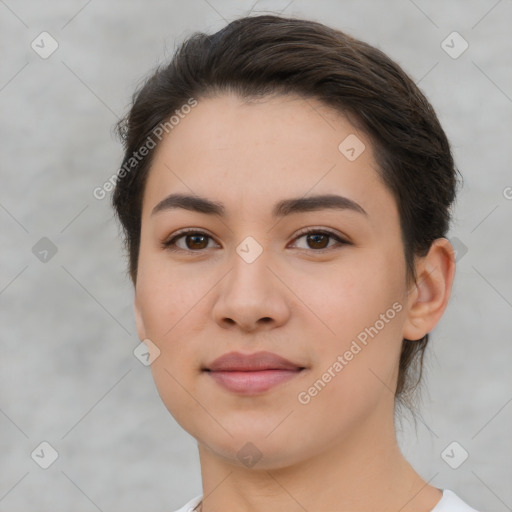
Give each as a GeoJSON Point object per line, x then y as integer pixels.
{"type": "Point", "coordinates": [141, 329]}
{"type": "Point", "coordinates": [429, 295]}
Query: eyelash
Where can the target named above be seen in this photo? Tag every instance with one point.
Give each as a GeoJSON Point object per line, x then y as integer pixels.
{"type": "Point", "coordinates": [170, 243]}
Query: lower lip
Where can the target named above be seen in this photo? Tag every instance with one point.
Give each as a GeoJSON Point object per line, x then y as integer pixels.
{"type": "Point", "coordinates": [250, 383]}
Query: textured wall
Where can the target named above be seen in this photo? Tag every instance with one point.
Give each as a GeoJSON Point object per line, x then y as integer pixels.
{"type": "Point", "coordinates": [67, 372]}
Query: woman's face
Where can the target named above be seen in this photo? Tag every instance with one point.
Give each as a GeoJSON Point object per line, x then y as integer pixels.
{"type": "Point", "coordinates": [332, 303]}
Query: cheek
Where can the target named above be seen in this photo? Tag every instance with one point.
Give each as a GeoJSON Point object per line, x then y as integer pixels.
{"type": "Point", "coordinates": [363, 307]}
{"type": "Point", "coordinates": [351, 296]}
{"type": "Point", "coordinates": [355, 371]}
{"type": "Point", "coordinates": [168, 296]}
{"type": "Point", "coordinates": [175, 304]}
{"type": "Point", "coordinates": [174, 316]}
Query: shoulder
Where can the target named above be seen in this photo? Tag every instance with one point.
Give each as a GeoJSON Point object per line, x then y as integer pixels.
{"type": "Point", "coordinates": [189, 506]}
{"type": "Point", "coordinates": [450, 502]}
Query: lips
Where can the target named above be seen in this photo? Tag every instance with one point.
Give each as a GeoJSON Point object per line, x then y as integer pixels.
{"type": "Point", "coordinates": [258, 361]}
{"type": "Point", "coordinates": [250, 374]}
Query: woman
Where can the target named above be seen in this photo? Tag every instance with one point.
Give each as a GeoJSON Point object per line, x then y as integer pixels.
{"type": "Point", "coordinates": [285, 196]}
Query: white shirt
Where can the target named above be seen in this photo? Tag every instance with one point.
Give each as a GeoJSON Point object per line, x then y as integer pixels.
{"type": "Point", "coordinates": [449, 502]}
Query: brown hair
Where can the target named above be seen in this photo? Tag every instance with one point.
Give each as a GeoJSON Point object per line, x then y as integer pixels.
{"type": "Point", "coordinates": [262, 55]}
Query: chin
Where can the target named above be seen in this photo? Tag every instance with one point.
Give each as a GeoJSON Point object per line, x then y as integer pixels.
{"type": "Point", "coordinates": [254, 454]}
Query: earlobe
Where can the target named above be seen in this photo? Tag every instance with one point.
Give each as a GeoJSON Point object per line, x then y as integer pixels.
{"type": "Point", "coordinates": [141, 330]}
{"type": "Point", "coordinates": [430, 293]}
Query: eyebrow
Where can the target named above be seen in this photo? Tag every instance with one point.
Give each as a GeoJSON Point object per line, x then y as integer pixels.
{"type": "Point", "coordinates": [281, 209]}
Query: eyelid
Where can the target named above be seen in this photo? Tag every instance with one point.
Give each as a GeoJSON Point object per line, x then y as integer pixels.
{"type": "Point", "coordinates": [321, 230]}
{"type": "Point", "coordinates": [168, 242]}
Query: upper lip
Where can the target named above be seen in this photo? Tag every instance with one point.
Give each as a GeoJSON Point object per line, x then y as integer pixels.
{"type": "Point", "coordinates": [257, 361]}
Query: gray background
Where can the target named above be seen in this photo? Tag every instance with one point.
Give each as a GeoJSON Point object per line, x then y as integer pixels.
{"type": "Point", "coordinates": [67, 372]}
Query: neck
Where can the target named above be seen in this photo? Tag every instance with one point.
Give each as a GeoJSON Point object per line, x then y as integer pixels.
{"type": "Point", "coordinates": [364, 472]}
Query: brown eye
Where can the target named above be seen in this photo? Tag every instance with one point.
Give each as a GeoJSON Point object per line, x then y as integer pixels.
{"type": "Point", "coordinates": [193, 241]}
{"type": "Point", "coordinates": [318, 240]}
{"type": "Point", "coordinates": [196, 241]}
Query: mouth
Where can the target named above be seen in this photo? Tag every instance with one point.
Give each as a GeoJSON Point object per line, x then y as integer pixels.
{"type": "Point", "coordinates": [251, 374]}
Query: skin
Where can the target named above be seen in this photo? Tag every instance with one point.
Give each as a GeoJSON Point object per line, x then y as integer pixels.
{"type": "Point", "coordinates": [339, 451]}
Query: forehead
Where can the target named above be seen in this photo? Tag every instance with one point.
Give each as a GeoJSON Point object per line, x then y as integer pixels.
{"type": "Point", "coordinates": [253, 153]}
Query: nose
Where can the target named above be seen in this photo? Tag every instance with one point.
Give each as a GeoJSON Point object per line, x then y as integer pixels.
{"type": "Point", "coordinates": [251, 297]}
